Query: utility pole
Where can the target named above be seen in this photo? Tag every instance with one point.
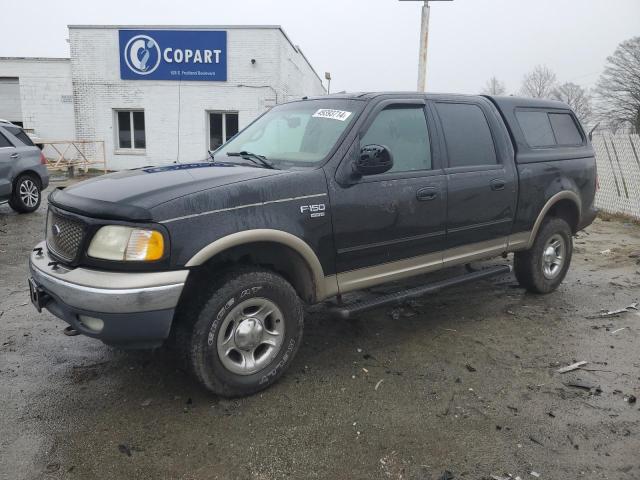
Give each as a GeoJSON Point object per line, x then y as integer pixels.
{"type": "Point", "coordinates": [424, 41]}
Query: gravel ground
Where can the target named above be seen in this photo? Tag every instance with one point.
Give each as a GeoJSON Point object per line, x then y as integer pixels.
{"type": "Point", "coordinates": [464, 381]}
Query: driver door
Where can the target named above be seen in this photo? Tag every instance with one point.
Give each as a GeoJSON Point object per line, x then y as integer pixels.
{"type": "Point", "coordinates": [382, 220]}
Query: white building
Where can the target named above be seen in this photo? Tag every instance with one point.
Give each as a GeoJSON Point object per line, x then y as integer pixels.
{"type": "Point", "coordinates": [155, 94]}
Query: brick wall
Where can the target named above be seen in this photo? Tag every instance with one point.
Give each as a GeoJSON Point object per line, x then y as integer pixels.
{"type": "Point", "coordinates": [175, 112]}
{"type": "Point", "coordinates": [45, 95]}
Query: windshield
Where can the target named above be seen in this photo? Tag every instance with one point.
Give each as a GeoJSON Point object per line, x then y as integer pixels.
{"type": "Point", "coordinates": [298, 134]}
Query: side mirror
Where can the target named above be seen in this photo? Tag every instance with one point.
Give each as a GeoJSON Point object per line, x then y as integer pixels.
{"type": "Point", "coordinates": [373, 160]}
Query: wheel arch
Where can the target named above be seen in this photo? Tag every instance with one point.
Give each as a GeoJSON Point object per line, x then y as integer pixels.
{"type": "Point", "coordinates": [565, 205]}
{"type": "Point", "coordinates": [281, 251]}
{"type": "Point", "coordinates": [28, 171]}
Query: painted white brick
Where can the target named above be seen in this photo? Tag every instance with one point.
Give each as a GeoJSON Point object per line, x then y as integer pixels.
{"type": "Point", "coordinates": [45, 87]}
{"type": "Point", "coordinates": [175, 112]}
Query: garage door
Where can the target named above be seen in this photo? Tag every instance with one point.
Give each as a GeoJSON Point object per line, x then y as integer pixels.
{"type": "Point", "coordinates": [10, 106]}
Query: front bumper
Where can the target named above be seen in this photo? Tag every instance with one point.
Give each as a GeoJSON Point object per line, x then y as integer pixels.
{"type": "Point", "coordinates": [136, 309]}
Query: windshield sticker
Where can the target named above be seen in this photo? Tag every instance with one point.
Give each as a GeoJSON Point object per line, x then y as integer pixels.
{"type": "Point", "coordinates": [332, 114]}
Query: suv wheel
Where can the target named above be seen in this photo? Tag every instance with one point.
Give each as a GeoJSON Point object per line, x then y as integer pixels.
{"type": "Point", "coordinates": [26, 194]}
{"type": "Point", "coordinates": [245, 335]}
{"type": "Point", "coordinates": [543, 267]}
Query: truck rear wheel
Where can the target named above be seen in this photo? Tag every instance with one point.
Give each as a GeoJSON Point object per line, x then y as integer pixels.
{"type": "Point", "coordinates": [246, 333]}
{"type": "Point", "coordinates": [543, 267]}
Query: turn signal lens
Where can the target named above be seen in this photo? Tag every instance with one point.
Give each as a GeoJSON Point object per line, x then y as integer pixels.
{"type": "Point", "coordinates": [145, 245]}
{"type": "Point", "coordinates": [116, 242]}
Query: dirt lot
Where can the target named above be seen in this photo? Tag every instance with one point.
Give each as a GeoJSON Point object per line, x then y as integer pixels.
{"type": "Point", "coordinates": [464, 381]}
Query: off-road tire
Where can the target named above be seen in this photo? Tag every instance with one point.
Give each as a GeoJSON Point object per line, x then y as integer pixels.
{"type": "Point", "coordinates": [16, 201]}
{"type": "Point", "coordinates": [199, 325]}
{"type": "Point", "coordinates": [528, 264]}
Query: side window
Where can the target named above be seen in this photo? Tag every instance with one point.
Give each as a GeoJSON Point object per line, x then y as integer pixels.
{"type": "Point", "coordinates": [565, 129]}
{"type": "Point", "coordinates": [403, 130]}
{"type": "Point", "coordinates": [536, 128]}
{"type": "Point", "coordinates": [4, 142]}
{"type": "Point", "coordinates": [467, 134]}
{"type": "Point", "coordinates": [20, 135]}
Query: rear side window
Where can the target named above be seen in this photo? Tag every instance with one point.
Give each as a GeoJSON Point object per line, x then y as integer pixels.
{"type": "Point", "coordinates": [548, 129]}
{"type": "Point", "coordinates": [4, 142]}
{"type": "Point", "coordinates": [565, 129]}
{"type": "Point", "coordinates": [467, 134]}
{"type": "Point", "coordinates": [536, 128]}
{"type": "Point", "coordinates": [20, 135]}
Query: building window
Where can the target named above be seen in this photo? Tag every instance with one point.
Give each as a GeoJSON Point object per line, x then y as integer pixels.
{"type": "Point", "coordinates": [222, 126]}
{"type": "Point", "coordinates": [131, 132]}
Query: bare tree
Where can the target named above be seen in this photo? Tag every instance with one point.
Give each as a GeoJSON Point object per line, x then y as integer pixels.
{"type": "Point", "coordinates": [618, 88]}
{"type": "Point", "coordinates": [576, 97]}
{"type": "Point", "coordinates": [494, 87]}
{"type": "Point", "coordinates": [539, 83]}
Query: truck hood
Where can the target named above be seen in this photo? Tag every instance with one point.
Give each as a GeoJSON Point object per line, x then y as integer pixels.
{"type": "Point", "coordinates": [130, 194]}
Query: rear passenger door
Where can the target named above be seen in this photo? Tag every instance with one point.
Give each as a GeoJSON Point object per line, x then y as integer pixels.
{"type": "Point", "coordinates": [481, 179]}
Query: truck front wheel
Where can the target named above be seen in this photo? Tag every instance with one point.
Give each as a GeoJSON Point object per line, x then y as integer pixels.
{"type": "Point", "coordinates": [543, 267]}
{"type": "Point", "coordinates": [245, 335]}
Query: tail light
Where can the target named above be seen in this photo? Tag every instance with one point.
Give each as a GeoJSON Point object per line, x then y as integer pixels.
{"type": "Point", "coordinates": [43, 159]}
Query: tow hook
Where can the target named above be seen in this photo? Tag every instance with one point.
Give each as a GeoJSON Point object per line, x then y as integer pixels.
{"type": "Point", "coordinates": [70, 331]}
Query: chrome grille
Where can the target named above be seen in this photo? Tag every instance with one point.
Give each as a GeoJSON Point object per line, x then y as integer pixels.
{"type": "Point", "coordinates": [64, 236]}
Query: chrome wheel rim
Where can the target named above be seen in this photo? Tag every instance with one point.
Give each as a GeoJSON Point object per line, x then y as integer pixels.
{"type": "Point", "coordinates": [251, 335]}
{"type": "Point", "coordinates": [553, 256]}
{"type": "Point", "coordinates": [28, 192]}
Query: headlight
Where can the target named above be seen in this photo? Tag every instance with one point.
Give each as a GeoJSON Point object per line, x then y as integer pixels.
{"type": "Point", "coordinates": [115, 242]}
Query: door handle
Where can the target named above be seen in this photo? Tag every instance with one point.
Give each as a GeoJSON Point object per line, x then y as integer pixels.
{"type": "Point", "coordinates": [497, 184]}
{"type": "Point", "coordinates": [426, 194]}
{"type": "Point", "coordinates": [14, 155]}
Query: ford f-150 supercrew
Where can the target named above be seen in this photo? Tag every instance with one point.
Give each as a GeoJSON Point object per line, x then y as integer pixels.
{"type": "Point", "coordinates": [314, 199]}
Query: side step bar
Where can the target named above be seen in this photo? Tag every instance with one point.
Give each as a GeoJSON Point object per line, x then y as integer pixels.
{"type": "Point", "coordinates": [349, 310]}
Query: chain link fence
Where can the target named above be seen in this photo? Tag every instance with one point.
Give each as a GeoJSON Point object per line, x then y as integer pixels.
{"type": "Point", "coordinates": [618, 160]}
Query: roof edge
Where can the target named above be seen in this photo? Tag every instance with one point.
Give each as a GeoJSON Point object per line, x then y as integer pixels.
{"type": "Point", "coordinates": [295, 47]}
{"type": "Point", "coordinates": [178, 27]}
{"type": "Point", "coordinates": [39, 59]}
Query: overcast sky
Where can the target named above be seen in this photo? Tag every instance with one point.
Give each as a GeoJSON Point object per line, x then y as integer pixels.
{"type": "Point", "coordinates": [372, 44]}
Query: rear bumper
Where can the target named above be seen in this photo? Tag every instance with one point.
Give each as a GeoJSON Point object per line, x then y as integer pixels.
{"type": "Point", "coordinates": [136, 309]}
{"type": "Point", "coordinates": [587, 217]}
{"type": "Point", "coordinates": [43, 173]}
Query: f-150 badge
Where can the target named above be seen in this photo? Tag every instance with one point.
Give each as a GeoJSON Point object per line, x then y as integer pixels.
{"type": "Point", "coordinates": [314, 210]}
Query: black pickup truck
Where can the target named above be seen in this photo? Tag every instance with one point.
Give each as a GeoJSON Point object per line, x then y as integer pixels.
{"type": "Point", "coordinates": [314, 199]}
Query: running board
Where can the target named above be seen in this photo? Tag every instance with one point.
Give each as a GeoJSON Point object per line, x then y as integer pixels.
{"type": "Point", "coordinates": [349, 310]}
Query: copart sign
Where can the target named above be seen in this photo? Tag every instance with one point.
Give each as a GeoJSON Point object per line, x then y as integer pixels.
{"type": "Point", "coordinates": [173, 55]}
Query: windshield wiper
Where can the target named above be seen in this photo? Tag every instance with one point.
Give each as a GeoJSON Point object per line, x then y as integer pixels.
{"type": "Point", "coordinates": [210, 152]}
{"type": "Point", "coordinates": [253, 157]}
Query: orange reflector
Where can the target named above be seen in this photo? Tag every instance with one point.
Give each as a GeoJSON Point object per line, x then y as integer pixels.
{"type": "Point", "coordinates": [147, 245]}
